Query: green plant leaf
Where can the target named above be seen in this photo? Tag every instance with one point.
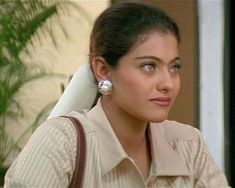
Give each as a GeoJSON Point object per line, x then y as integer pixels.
{"type": "Point", "coordinates": [20, 22]}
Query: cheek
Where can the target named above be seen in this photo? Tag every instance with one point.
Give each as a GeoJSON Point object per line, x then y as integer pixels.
{"type": "Point", "coordinates": [177, 86]}
{"type": "Point", "coordinates": [126, 84]}
{"type": "Point", "coordinates": [130, 84]}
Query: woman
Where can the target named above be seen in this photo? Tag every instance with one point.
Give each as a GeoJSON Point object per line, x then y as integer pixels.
{"type": "Point", "coordinates": [135, 59]}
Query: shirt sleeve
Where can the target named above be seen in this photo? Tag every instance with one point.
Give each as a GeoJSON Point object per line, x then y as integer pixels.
{"type": "Point", "coordinates": [47, 160]}
{"type": "Point", "coordinates": [206, 173]}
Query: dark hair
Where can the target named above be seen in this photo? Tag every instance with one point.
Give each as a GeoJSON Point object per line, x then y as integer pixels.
{"type": "Point", "coordinates": [119, 27]}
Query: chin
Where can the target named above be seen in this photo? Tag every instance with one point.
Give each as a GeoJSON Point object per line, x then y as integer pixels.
{"type": "Point", "coordinates": [158, 118]}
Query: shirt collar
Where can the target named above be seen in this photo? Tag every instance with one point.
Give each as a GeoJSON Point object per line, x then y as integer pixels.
{"type": "Point", "coordinates": [165, 161]}
{"type": "Point", "coordinates": [111, 151]}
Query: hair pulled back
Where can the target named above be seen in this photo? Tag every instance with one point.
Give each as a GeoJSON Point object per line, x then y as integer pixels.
{"type": "Point", "coordinates": [119, 27]}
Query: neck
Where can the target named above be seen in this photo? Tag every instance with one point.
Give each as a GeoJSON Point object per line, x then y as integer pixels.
{"type": "Point", "coordinates": [130, 130]}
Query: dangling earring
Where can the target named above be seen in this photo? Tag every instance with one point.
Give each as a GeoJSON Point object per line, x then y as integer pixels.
{"type": "Point", "coordinates": [105, 87]}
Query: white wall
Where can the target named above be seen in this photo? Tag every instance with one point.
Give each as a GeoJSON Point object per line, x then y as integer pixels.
{"type": "Point", "coordinates": [211, 25]}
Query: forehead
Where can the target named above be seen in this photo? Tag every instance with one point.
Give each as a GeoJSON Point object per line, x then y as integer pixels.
{"type": "Point", "coordinates": [156, 43]}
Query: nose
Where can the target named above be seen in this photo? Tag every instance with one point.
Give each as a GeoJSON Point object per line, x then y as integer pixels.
{"type": "Point", "coordinates": [165, 82]}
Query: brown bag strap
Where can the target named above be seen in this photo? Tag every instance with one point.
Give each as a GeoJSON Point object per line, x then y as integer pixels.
{"type": "Point", "coordinates": [76, 181]}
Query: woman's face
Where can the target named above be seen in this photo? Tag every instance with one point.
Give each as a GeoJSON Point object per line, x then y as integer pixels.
{"type": "Point", "coordinates": [146, 82]}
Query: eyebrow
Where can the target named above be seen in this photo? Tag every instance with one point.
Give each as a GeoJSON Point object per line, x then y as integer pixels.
{"type": "Point", "coordinates": [154, 58]}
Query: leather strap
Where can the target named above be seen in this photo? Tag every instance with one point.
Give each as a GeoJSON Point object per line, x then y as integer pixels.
{"type": "Point", "coordinates": [76, 181]}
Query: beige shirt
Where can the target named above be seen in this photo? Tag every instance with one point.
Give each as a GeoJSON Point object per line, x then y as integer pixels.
{"type": "Point", "coordinates": [180, 158]}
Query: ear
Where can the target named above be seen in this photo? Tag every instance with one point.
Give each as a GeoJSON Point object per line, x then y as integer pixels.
{"type": "Point", "coordinates": [100, 68]}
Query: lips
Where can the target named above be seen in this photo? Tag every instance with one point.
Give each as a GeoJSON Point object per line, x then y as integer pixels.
{"type": "Point", "coordinates": [161, 101]}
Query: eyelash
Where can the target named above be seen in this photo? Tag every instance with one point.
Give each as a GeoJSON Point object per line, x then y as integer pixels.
{"type": "Point", "coordinates": [175, 68]}
{"type": "Point", "coordinates": [147, 66]}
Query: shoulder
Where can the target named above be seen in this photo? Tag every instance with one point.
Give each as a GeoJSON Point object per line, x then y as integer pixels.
{"type": "Point", "coordinates": [86, 122]}
{"type": "Point", "coordinates": [61, 125]}
{"type": "Point", "coordinates": [53, 145]}
{"type": "Point", "coordinates": [173, 130]}
{"type": "Point", "coordinates": [53, 135]}
{"type": "Point", "coordinates": [58, 126]}
{"type": "Point", "coordinates": [61, 131]}
{"type": "Point", "coordinates": [58, 133]}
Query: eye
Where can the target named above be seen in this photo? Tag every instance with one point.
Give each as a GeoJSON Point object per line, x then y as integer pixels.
{"type": "Point", "coordinates": [149, 67]}
{"type": "Point", "coordinates": [175, 68]}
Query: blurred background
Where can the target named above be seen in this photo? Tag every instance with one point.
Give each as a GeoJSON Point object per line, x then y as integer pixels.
{"type": "Point", "coordinates": [43, 43]}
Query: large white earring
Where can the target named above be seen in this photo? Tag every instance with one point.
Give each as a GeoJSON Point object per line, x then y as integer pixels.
{"type": "Point", "coordinates": [105, 87]}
